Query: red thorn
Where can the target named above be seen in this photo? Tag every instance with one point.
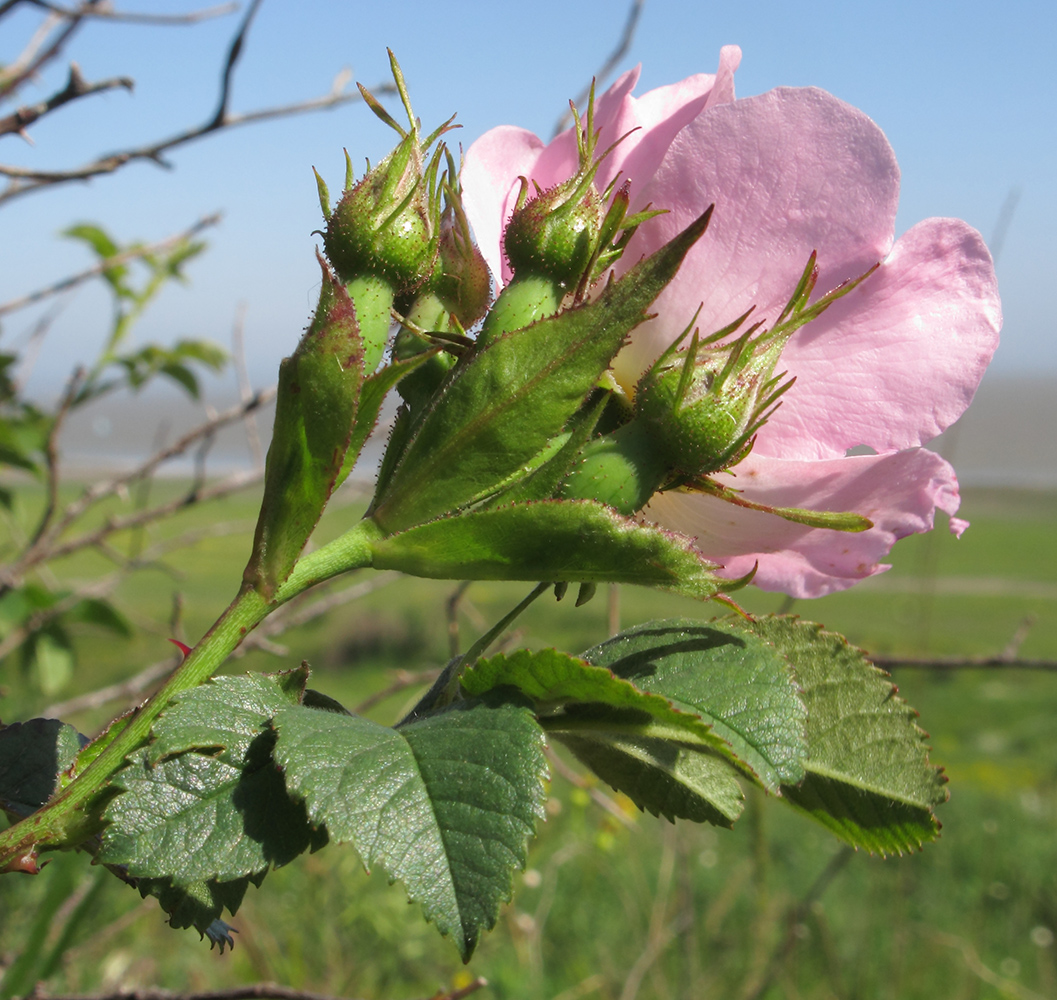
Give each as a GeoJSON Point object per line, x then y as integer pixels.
{"type": "Point", "coordinates": [182, 646]}
{"type": "Point", "coordinates": [27, 864]}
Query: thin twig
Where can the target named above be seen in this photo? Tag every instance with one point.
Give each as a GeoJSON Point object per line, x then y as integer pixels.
{"type": "Point", "coordinates": [973, 962]}
{"type": "Point", "coordinates": [133, 253]}
{"type": "Point", "coordinates": [627, 36]}
{"type": "Point", "coordinates": [255, 991]}
{"type": "Point", "coordinates": [960, 663]}
{"type": "Point", "coordinates": [21, 71]}
{"type": "Point", "coordinates": [451, 606]}
{"type": "Point", "coordinates": [46, 546]}
{"type": "Point", "coordinates": [260, 639]}
{"type": "Point", "coordinates": [403, 680]}
{"type": "Point", "coordinates": [238, 354]}
{"type": "Point", "coordinates": [796, 916]}
{"type": "Point", "coordinates": [51, 455]}
{"type": "Point", "coordinates": [599, 797]}
{"type": "Point", "coordinates": [132, 17]}
{"type": "Point", "coordinates": [24, 180]}
{"type": "Point", "coordinates": [124, 690]}
{"type": "Point", "coordinates": [231, 484]}
{"type": "Point", "coordinates": [76, 87]}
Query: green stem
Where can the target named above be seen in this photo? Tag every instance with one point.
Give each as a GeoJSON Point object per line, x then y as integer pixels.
{"type": "Point", "coordinates": [68, 818]}
{"type": "Point", "coordinates": [373, 298]}
{"type": "Point", "coordinates": [481, 645]}
{"type": "Point", "coordinates": [524, 301]}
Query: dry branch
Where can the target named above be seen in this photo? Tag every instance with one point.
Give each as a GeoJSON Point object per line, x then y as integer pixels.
{"type": "Point", "coordinates": [627, 36]}
{"type": "Point", "coordinates": [23, 180]}
{"type": "Point", "coordinates": [255, 991]}
{"type": "Point", "coordinates": [76, 87]}
{"type": "Point", "coordinates": [131, 17]}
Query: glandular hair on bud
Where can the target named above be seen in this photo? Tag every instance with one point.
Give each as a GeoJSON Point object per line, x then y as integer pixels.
{"type": "Point", "coordinates": [385, 225]}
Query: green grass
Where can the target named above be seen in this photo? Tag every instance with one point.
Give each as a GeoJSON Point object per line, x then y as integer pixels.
{"type": "Point", "coordinates": [619, 907]}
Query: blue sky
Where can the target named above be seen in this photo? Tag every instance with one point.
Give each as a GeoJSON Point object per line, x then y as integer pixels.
{"type": "Point", "coordinates": [965, 92]}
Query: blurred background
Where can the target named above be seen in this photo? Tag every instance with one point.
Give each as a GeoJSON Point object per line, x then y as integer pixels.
{"type": "Point", "coordinates": [613, 904]}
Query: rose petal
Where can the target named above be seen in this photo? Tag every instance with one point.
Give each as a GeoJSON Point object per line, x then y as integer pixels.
{"type": "Point", "coordinates": [657, 117]}
{"type": "Point", "coordinates": [790, 171]}
{"type": "Point", "coordinates": [897, 360]}
{"type": "Point", "coordinates": [494, 162]}
{"type": "Point", "coordinates": [489, 179]}
{"type": "Point", "coordinates": [899, 492]}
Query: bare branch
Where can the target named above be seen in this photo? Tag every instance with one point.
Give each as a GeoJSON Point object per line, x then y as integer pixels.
{"type": "Point", "coordinates": [76, 86]}
{"type": "Point", "coordinates": [586, 784]}
{"type": "Point", "coordinates": [1007, 658]}
{"type": "Point", "coordinates": [51, 455]}
{"type": "Point", "coordinates": [404, 680]}
{"type": "Point", "coordinates": [258, 991]}
{"type": "Point", "coordinates": [795, 916]}
{"type": "Point", "coordinates": [23, 180]}
{"type": "Point", "coordinates": [123, 691]}
{"type": "Point", "coordinates": [234, 52]}
{"type": "Point", "coordinates": [132, 17]}
{"type": "Point", "coordinates": [25, 68]}
{"type": "Point", "coordinates": [627, 36]}
{"type": "Point", "coordinates": [238, 354]}
{"type": "Point", "coordinates": [295, 614]}
{"type": "Point", "coordinates": [196, 495]}
{"type": "Point", "coordinates": [960, 663]}
{"type": "Point", "coordinates": [46, 547]}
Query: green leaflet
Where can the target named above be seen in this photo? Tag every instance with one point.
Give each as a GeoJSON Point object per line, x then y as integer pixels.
{"type": "Point", "coordinates": [735, 681]}
{"type": "Point", "coordinates": [571, 695]}
{"type": "Point", "coordinates": [665, 760]}
{"type": "Point", "coordinates": [502, 405]}
{"type": "Point", "coordinates": [577, 541]}
{"type": "Point", "coordinates": [666, 778]}
{"type": "Point", "coordinates": [868, 777]}
{"type": "Point", "coordinates": [444, 803]}
{"type": "Point", "coordinates": [194, 819]}
{"type": "Point", "coordinates": [32, 756]}
{"type": "Point", "coordinates": [225, 714]}
{"type": "Point", "coordinates": [319, 388]}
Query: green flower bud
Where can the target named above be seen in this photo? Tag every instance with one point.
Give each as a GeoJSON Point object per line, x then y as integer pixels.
{"type": "Point", "coordinates": [463, 282]}
{"type": "Point", "coordinates": [703, 405]}
{"type": "Point", "coordinates": [388, 224]}
{"type": "Point", "coordinates": [556, 233]}
{"type": "Point", "coordinates": [568, 233]}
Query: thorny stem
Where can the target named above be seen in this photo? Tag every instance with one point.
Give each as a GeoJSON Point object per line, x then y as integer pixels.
{"type": "Point", "coordinates": [69, 818]}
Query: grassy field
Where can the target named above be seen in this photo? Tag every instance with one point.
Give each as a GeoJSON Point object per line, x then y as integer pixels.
{"type": "Point", "coordinates": [615, 904]}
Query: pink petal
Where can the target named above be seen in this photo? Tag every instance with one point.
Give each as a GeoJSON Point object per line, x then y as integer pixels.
{"type": "Point", "coordinates": [495, 161]}
{"type": "Point", "coordinates": [657, 117]}
{"type": "Point", "coordinates": [790, 171]}
{"type": "Point", "coordinates": [897, 360]}
{"type": "Point", "coordinates": [899, 492]}
{"type": "Point", "coordinates": [489, 177]}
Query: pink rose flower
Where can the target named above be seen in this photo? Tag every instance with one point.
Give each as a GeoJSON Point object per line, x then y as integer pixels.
{"type": "Point", "coordinates": [889, 366]}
